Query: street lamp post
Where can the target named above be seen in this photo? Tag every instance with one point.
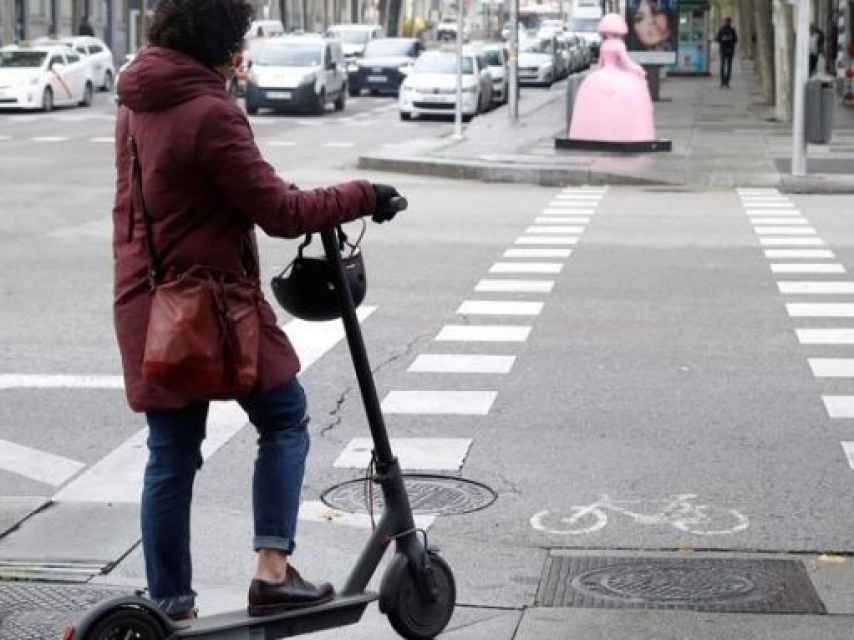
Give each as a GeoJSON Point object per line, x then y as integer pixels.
{"type": "Point", "coordinates": [458, 115]}
{"type": "Point", "coordinates": [802, 43]}
{"type": "Point", "coordinates": [513, 102]}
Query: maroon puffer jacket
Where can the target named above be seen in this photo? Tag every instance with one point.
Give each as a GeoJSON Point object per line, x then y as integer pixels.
{"type": "Point", "coordinates": [205, 184]}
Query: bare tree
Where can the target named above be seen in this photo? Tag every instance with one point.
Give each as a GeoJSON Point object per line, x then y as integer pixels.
{"type": "Point", "coordinates": [764, 54]}
{"type": "Point", "coordinates": [784, 50]}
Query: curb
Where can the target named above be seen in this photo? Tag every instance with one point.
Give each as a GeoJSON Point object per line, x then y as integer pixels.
{"type": "Point", "coordinates": [818, 183]}
{"type": "Point", "coordinates": [543, 175]}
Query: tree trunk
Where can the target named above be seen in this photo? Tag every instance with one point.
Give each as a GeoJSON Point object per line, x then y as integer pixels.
{"type": "Point", "coordinates": [764, 54]}
{"type": "Point", "coordinates": [394, 7]}
{"type": "Point", "coordinates": [745, 30]}
{"type": "Point", "coordinates": [784, 49]}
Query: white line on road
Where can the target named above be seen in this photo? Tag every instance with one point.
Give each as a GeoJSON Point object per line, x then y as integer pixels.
{"type": "Point", "coordinates": [785, 231]}
{"type": "Point", "coordinates": [839, 406]}
{"type": "Point", "coordinates": [550, 219]}
{"type": "Point", "coordinates": [793, 213]}
{"type": "Point", "coordinates": [280, 143]}
{"type": "Point", "coordinates": [829, 267]}
{"type": "Point", "coordinates": [746, 191]}
{"type": "Point", "coordinates": [579, 195]}
{"type": "Point", "coordinates": [514, 286]}
{"type": "Point", "coordinates": [773, 254]}
{"type": "Point", "coordinates": [791, 242]}
{"type": "Point", "coordinates": [30, 381]}
{"type": "Point", "coordinates": [818, 286]}
{"type": "Point", "coordinates": [37, 465]}
{"type": "Point", "coordinates": [461, 363]}
{"type": "Point", "coordinates": [769, 204]}
{"type": "Point", "coordinates": [4, 138]}
{"type": "Point", "coordinates": [462, 403]}
{"type": "Point", "coordinates": [339, 145]}
{"type": "Point", "coordinates": [483, 333]}
{"type": "Point", "coordinates": [549, 240]}
{"type": "Point", "coordinates": [783, 220]}
{"type": "Point", "coordinates": [499, 308]}
{"type": "Point", "coordinates": [552, 229]}
{"type": "Point", "coordinates": [820, 310]}
{"type": "Point", "coordinates": [526, 267]}
{"type": "Point", "coordinates": [48, 139]}
{"type": "Point", "coordinates": [103, 140]}
{"type": "Point", "coordinates": [554, 210]}
{"type": "Point", "coordinates": [423, 454]}
{"type": "Point", "coordinates": [832, 367]}
{"type": "Point", "coordinates": [825, 336]}
{"type": "Point", "coordinates": [848, 449]}
{"type": "Point", "coordinates": [537, 253]}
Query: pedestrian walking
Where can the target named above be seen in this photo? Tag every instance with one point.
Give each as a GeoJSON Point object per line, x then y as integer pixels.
{"type": "Point", "coordinates": [816, 47]}
{"type": "Point", "coordinates": [726, 39]}
{"type": "Point", "coordinates": [191, 187]}
{"type": "Point", "coordinates": [85, 27]}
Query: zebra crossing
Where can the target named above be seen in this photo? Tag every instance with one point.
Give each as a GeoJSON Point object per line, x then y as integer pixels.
{"type": "Point", "coordinates": [779, 223]}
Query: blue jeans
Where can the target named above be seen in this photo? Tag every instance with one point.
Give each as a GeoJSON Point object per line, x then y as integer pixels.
{"type": "Point", "coordinates": [174, 445]}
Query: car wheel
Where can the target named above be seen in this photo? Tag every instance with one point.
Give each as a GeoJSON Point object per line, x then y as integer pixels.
{"type": "Point", "coordinates": [47, 100]}
{"type": "Point", "coordinates": [341, 100]}
{"type": "Point", "coordinates": [320, 103]}
{"type": "Point", "coordinates": [88, 92]}
{"type": "Point", "coordinates": [406, 117]}
{"type": "Point", "coordinates": [251, 107]}
{"type": "Point", "coordinates": [468, 117]}
{"type": "Point", "coordinates": [353, 91]}
{"type": "Point", "coordinates": [108, 81]}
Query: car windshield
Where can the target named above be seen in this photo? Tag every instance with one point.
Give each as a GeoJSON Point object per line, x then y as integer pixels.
{"type": "Point", "coordinates": [290, 55]}
{"type": "Point", "coordinates": [493, 58]}
{"type": "Point", "coordinates": [22, 59]}
{"type": "Point", "coordinates": [535, 46]}
{"type": "Point", "coordinates": [442, 63]}
{"type": "Point", "coordinates": [590, 25]}
{"type": "Point", "coordinates": [388, 47]}
{"type": "Point", "coordinates": [351, 36]}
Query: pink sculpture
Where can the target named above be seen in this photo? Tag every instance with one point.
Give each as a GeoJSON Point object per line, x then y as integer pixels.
{"type": "Point", "coordinates": [613, 103]}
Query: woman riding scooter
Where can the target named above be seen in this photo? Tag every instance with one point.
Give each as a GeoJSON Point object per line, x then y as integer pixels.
{"type": "Point", "coordinates": [191, 186]}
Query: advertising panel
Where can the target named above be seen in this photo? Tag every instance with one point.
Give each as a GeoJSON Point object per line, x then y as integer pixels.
{"type": "Point", "coordinates": [653, 31]}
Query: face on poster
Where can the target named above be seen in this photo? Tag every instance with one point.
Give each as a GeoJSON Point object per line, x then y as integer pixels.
{"type": "Point", "coordinates": [653, 30]}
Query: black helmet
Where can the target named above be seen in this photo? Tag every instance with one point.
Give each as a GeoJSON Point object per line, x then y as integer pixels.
{"type": "Point", "coordinates": [308, 291]}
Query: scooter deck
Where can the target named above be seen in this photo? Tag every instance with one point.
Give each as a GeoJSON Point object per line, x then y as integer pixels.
{"type": "Point", "coordinates": [341, 611]}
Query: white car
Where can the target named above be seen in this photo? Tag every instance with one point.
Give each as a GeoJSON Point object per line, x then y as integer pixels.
{"type": "Point", "coordinates": [497, 59]}
{"type": "Point", "coordinates": [100, 58]}
{"type": "Point", "coordinates": [536, 62]}
{"type": "Point", "coordinates": [430, 87]}
{"type": "Point", "coordinates": [265, 29]}
{"type": "Point", "coordinates": [354, 38]}
{"type": "Point", "coordinates": [297, 73]}
{"type": "Point", "coordinates": [44, 77]}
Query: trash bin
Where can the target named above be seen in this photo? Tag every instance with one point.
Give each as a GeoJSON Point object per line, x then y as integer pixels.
{"type": "Point", "coordinates": [573, 84]}
{"type": "Point", "coordinates": [821, 99]}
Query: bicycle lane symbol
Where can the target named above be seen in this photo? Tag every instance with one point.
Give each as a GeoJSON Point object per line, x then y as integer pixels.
{"type": "Point", "coordinates": [679, 511]}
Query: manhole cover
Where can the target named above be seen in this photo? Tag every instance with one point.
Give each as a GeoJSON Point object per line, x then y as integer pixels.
{"type": "Point", "coordinates": [40, 612]}
{"type": "Point", "coordinates": [428, 495]}
{"type": "Point", "coordinates": [701, 584]}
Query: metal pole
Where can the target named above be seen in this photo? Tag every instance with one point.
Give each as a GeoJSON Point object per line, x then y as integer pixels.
{"type": "Point", "coordinates": [513, 102]}
{"type": "Point", "coordinates": [458, 115]}
{"type": "Point", "coordinates": [802, 44]}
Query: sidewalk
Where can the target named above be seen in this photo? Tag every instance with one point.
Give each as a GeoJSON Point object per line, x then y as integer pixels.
{"type": "Point", "coordinates": [721, 139]}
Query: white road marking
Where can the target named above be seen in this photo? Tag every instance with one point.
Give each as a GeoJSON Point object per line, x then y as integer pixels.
{"type": "Point", "coordinates": [316, 511]}
{"type": "Point", "coordinates": [499, 308]}
{"type": "Point", "coordinates": [3, 138]}
{"type": "Point", "coordinates": [791, 242]}
{"type": "Point", "coordinates": [839, 406]}
{"type": "Point", "coordinates": [309, 123]}
{"type": "Point", "coordinates": [339, 145]}
{"type": "Point", "coordinates": [746, 191]}
{"type": "Point", "coordinates": [798, 253]}
{"type": "Point", "coordinates": [422, 454]}
{"type": "Point", "coordinates": [103, 139]}
{"type": "Point", "coordinates": [560, 220]}
{"type": "Point", "coordinates": [557, 229]}
{"type": "Point", "coordinates": [461, 363]}
{"type": "Point", "coordinates": [783, 220]}
{"type": "Point", "coordinates": [462, 403]}
{"type": "Point", "coordinates": [555, 240]}
{"type": "Point", "coordinates": [785, 231]}
{"type": "Point", "coordinates": [830, 267]}
{"type": "Point", "coordinates": [832, 367]}
{"type": "Point", "coordinates": [554, 210]}
{"type": "Point", "coordinates": [483, 333]}
{"type": "Point", "coordinates": [794, 213]}
{"type": "Point", "coordinates": [30, 381]}
{"type": "Point", "coordinates": [820, 310]}
{"type": "Point", "coordinates": [526, 267]}
{"type": "Point", "coordinates": [537, 253]}
{"type": "Point", "coordinates": [810, 286]}
{"type": "Point", "coordinates": [118, 476]}
{"type": "Point", "coordinates": [280, 143]}
{"type": "Point", "coordinates": [772, 199]}
{"type": "Point", "coordinates": [48, 139]}
{"type": "Point", "coordinates": [825, 336]}
{"type": "Point", "coordinates": [848, 449]}
{"type": "Point", "coordinates": [37, 465]}
{"type": "Point", "coordinates": [579, 195]}
{"type": "Point", "coordinates": [514, 286]}
{"type": "Point", "coordinates": [585, 189]}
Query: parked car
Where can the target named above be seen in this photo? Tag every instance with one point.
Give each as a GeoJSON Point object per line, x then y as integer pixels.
{"type": "Point", "coordinates": [42, 77]}
{"type": "Point", "coordinates": [300, 73]}
{"type": "Point", "coordinates": [265, 29]}
{"type": "Point", "coordinates": [384, 65]}
{"type": "Point", "coordinates": [431, 86]}
{"type": "Point", "coordinates": [448, 27]}
{"type": "Point", "coordinates": [354, 38]}
{"type": "Point", "coordinates": [498, 60]}
{"type": "Point", "coordinates": [580, 52]}
{"type": "Point", "coordinates": [538, 62]}
{"type": "Point", "coordinates": [95, 52]}
{"type": "Point", "coordinates": [587, 27]}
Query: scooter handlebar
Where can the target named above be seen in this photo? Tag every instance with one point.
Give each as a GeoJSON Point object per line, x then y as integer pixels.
{"type": "Point", "coordinates": [399, 203]}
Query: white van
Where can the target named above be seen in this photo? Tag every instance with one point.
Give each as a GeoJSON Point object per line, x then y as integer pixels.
{"type": "Point", "coordinates": [297, 73]}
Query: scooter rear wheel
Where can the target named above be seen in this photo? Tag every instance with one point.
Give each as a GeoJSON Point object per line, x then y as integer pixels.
{"type": "Point", "coordinates": [409, 613]}
{"type": "Point", "coordinates": [126, 624]}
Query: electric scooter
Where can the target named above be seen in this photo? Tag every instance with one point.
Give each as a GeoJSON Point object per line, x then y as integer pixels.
{"type": "Point", "coordinates": [417, 592]}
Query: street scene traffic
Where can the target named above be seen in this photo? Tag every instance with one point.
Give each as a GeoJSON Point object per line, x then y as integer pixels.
{"type": "Point", "coordinates": [493, 320]}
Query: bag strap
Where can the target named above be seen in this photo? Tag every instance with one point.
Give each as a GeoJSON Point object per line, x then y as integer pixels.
{"type": "Point", "coordinates": [138, 202]}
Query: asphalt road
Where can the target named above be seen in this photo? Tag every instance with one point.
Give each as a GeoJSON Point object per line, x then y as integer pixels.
{"type": "Point", "coordinates": [661, 379]}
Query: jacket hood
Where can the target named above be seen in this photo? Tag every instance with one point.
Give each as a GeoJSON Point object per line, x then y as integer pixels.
{"type": "Point", "coordinates": [159, 78]}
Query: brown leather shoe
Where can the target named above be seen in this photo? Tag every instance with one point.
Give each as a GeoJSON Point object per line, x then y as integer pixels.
{"type": "Point", "coordinates": [267, 598]}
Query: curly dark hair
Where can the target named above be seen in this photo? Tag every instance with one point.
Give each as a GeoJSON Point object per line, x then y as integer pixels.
{"type": "Point", "coordinates": [211, 31]}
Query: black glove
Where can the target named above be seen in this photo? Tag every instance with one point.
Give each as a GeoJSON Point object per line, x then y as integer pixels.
{"type": "Point", "coordinates": [384, 210]}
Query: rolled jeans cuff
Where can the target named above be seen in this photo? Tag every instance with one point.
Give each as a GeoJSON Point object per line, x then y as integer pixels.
{"type": "Point", "coordinates": [274, 542]}
{"type": "Point", "coordinates": [177, 604]}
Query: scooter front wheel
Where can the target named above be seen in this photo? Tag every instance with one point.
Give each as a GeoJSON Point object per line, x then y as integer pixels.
{"type": "Point", "coordinates": [126, 624]}
{"type": "Point", "coordinates": [410, 613]}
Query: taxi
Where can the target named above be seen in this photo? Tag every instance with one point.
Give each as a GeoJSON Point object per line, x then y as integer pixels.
{"type": "Point", "coordinates": [44, 77]}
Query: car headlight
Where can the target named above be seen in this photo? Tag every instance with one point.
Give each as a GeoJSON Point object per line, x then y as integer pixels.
{"type": "Point", "coordinates": [352, 67]}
